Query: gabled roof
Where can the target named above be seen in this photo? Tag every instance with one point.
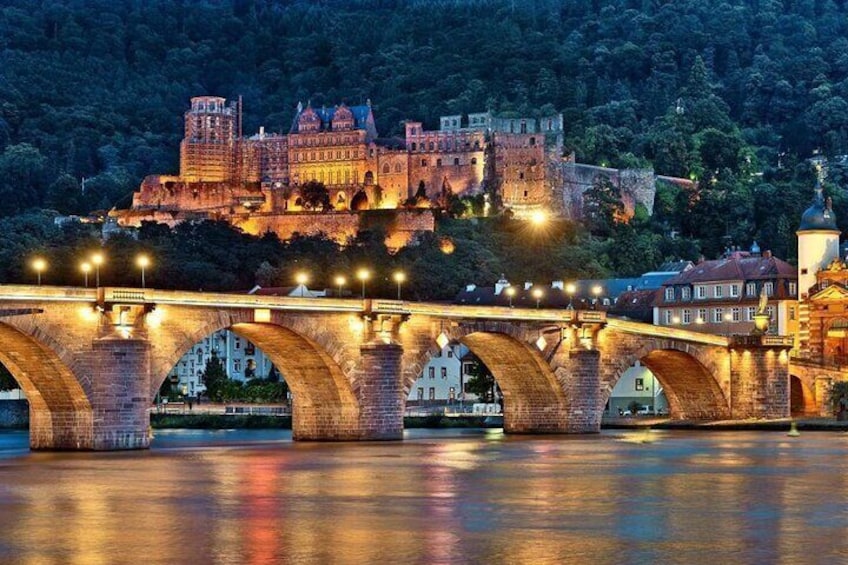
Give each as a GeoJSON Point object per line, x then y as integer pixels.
{"type": "Point", "coordinates": [736, 268]}
{"type": "Point", "coordinates": [833, 291]}
{"type": "Point", "coordinates": [361, 115]}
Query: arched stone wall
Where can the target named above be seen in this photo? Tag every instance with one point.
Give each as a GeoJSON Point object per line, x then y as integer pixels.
{"type": "Point", "coordinates": [533, 398]}
{"type": "Point", "coordinates": [319, 367]}
{"type": "Point", "coordinates": [60, 411]}
{"type": "Point", "coordinates": [802, 399]}
{"type": "Point", "coordinates": [692, 376]}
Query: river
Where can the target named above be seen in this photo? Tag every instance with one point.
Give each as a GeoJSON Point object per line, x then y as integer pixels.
{"type": "Point", "coordinates": [441, 496]}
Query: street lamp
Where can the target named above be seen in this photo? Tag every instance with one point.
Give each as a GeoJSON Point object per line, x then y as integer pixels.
{"type": "Point", "coordinates": [301, 279]}
{"type": "Point", "coordinates": [97, 260]}
{"type": "Point", "coordinates": [363, 275]}
{"type": "Point", "coordinates": [340, 282]}
{"type": "Point", "coordinates": [85, 267]}
{"type": "Point", "coordinates": [143, 261]}
{"type": "Point", "coordinates": [570, 289]}
{"type": "Point", "coordinates": [510, 292]}
{"type": "Point", "coordinates": [39, 265]}
{"type": "Point", "coordinates": [400, 278]}
{"type": "Point", "coordinates": [539, 218]}
{"type": "Point", "coordinates": [728, 317]}
{"type": "Point", "coordinates": [596, 292]}
{"type": "Point", "coordinates": [538, 294]}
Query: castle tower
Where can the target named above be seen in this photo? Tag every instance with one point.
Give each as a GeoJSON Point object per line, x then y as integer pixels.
{"type": "Point", "coordinates": [207, 151]}
{"type": "Point", "coordinates": [818, 241]}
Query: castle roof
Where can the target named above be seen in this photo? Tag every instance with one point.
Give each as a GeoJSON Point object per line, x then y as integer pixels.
{"type": "Point", "coordinates": [362, 117]}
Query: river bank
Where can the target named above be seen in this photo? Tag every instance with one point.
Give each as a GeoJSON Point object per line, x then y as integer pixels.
{"type": "Point", "coordinates": [253, 421]}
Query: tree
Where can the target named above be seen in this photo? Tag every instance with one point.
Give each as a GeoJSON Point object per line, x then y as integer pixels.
{"type": "Point", "coordinates": [315, 196]}
{"type": "Point", "coordinates": [215, 378]}
{"type": "Point", "coordinates": [480, 382]}
{"type": "Point", "coordinates": [602, 207]}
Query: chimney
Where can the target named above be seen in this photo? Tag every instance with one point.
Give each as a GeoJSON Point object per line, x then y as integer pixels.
{"type": "Point", "coordinates": [261, 132]}
{"type": "Point", "coordinates": [528, 285]}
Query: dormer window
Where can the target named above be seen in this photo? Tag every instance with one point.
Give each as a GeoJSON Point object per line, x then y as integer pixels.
{"type": "Point", "coordinates": [669, 294]}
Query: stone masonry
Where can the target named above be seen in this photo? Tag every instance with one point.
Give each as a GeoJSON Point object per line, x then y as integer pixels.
{"type": "Point", "coordinates": [91, 361]}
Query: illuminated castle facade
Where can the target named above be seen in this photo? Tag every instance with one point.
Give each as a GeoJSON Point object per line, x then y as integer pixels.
{"type": "Point", "coordinates": [224, 173]}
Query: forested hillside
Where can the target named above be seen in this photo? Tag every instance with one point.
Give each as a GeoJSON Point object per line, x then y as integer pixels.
{"type": "Point", "coordinates": [734, 94]}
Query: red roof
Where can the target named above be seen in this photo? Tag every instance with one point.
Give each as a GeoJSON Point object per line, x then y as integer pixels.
{"type": "Point", "coordinates": [736, 268]}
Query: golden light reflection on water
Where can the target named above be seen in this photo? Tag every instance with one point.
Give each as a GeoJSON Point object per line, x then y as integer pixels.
{"type": "Point", "coordinates": [752, 498]}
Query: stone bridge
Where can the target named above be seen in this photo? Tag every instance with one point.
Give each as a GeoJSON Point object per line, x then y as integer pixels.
{"type": "Point", "coordinates": [92, 360]}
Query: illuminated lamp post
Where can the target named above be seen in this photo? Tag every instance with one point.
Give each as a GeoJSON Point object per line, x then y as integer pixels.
{"type": "Point", "coordinates": [301, 279]}
{"type": "Point", "coordinates": [340, 282]}
{"type": "Point", "coordinates": [97, 260]}
{"type": "Point", "coordinates": [400, 278]}
{"type": "Point", "coordinates": [39, 265]}
{"type": "Point", "coordinates": [363, 275]}
{"type": "Point", "coordinates": [538, 294]}
{"type": "Point", "coordinates": [143, 261]}
{"type": "Point", "coordinates": [510, 292]}
{"type": "Point", "coordinates": [85, 267]}
{"type": "Point", "coordinates": [596, 293]}
{"type": "Point", "coordinates": [570, 289]}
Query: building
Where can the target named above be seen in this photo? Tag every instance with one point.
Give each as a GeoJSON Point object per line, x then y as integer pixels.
{"type": "Point", "coordinates": [241, 360]}
{"type": "Point", "coordinates": [722, 296]}
{"type": "Point", "coordinates": [443, 380]}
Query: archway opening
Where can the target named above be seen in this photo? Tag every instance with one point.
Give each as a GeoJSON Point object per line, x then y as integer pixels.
{"type": "Point", "coordinates": [369, 178]}
{"type": "Point", "coordinates": [637, 393]}
{"type": "Point", "coordinates": [323, 404]}
{"type": "Point", "coordinates": [802, 401]}
{"type": "Point", "coordinates": [690, 389]}
{"type": "Point", "coordinates": [59, 414]}
{"type": "Point", "coordinates": [360, 201]}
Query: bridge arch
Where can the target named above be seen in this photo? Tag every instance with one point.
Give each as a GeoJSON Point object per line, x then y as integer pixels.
{"type": "Point", "coordinates": [60, 411]}
{"type": "Point", "coordinates": [319, 370]}
{"type": "Point", "coordinates": [802, 398]}
{"type": "Point", "coordinates": [690, 376]}
{"type": "Point", "coordinates": [533, 399]}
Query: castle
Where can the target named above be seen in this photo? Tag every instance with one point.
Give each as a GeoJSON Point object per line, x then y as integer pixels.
{"type": "Point", "coordinates": [265, 181]}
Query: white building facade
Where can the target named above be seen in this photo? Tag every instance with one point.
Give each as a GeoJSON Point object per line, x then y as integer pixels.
{"type": "Point", "coordinates": [444, 378]}
{"type": "Point", "coordinates": [242, 361]}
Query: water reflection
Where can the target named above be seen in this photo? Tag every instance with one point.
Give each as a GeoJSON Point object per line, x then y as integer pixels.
{"type": "Point", "coordinates": [439, 497]}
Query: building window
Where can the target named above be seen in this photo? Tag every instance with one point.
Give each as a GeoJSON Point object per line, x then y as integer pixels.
{"type": "Point", "coordinates": [793, 289]}
{"type": "Point", "coordinates": [735, 314]}
{"type": "Point", "coordinates": [701, 291]}
{"type": "Point", "coordinates": [450, 353]}
{"type": "Point", "coordinates": [702, 315]}
{"type": "Point", "coordinates": [751, 289]}
{"type": "Point", "coordinates": [237, 365]}
{"type": "Point", "coordinates": [718, 291]}
{"type": "Point", "coordinates": [456, 161]}
{"type": "Point", "coordinates": [423, 162]}
{"type": "Point", "coordinates": [668, 317]}
{"type": "Point", "coordinates": [474, 160]}
{"type": "Point", "coordinates": [432, 393]}
{"type": "Point", "coordinates": [769, 288]}
{"type": "Point", "coordinates": [749, 313]}
{"type": "Point", "coordinates": [432, 372]}
{"type": "Point", "coordinates": [669, 294]}
{"type": "Point", "coordinates": [685, 293]}
{"type": "Point", "coordinates": [718, 315]}
{"type": "Point", "coordinates": [386, 169]}
{"type": "Point", "coordinates": [420, 393]}
{"type": "Point", "coordinates": [452, 394]}
{"type": "Point", "coordinates": [687, 316]}
{"type": "Point", "coordinates": [438, 162]}
{"type": "Point", "coordinates": [640, 384]}
{"type": "Point", "coordinates": [734, 290]}
{"type": "Point", "coordinates": [444, 372]}
{"type": "Point", "coordinates": [791, 312]}
{"type": "Point", "coordinates": [532, 141]}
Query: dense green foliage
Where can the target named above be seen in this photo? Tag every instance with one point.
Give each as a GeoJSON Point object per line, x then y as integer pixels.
{"type": "Point", "coordinates": [735, 94]}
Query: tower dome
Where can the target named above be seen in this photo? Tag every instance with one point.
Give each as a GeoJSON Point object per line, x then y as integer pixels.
{"type": "Point", "coordinates": [819, 216]}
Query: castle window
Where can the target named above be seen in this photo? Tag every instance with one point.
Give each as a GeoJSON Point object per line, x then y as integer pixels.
{"type": "Point", "coordinates": [438, 162]}
{"type": "Point", "coordinates": [414, 146]}
{"type": "Point", "coordinates": [474, 160]}
{"type": "Point", "coordinates": [532, 141]}
{"type": "Point", "coordinates": [525, 194]}
{"type": "Point", "coordinates": [398, 168]}
{"type": "Point", "coordinates": [432, 146]}
{"type": "Point", "coordinates": [386, 169]}
{"type": "Point", "coordinates": [521, 175]}
{"type": "Point", "coordinates": [456, 161]}
{"type": "Point", "coordinates": [523, 127]}
{"type": "Point", "coordinates": [423, 162]}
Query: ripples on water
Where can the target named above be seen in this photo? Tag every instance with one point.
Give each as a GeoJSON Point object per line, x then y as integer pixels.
{"type": "Point", "coordinates": [440, 497]}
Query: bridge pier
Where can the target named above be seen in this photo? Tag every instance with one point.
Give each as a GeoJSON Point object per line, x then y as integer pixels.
{"type": "Point", "coordinates": [120, 394]}
{"type": "Point", "coordinates": [381, 392]}
{"type": "Point", "coordinates": [584, 392]}
{"type": "Point", "coordinates": [759, 378]}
